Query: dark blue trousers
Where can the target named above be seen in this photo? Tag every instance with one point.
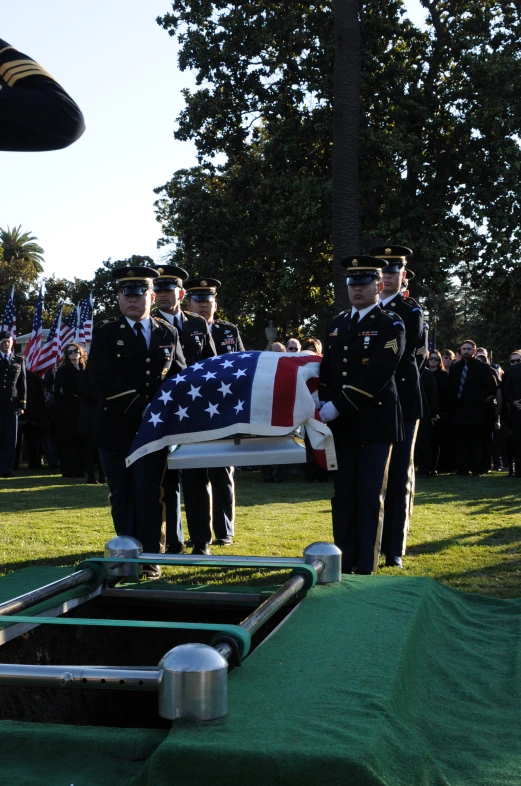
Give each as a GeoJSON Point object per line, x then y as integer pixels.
{"type": "Point", "coordinates": [223, 501]}
{"type": "Point", "coordinates": [357, 505]}
{"type": "Point", "coordinates": [120, 490]}
{"type": "Point", "coordinates": [197, 495]}
{"type": "Point", "coordinates": [399, 495]}
{"type": "Point", "coordinates": [8, 434]}
{"type": "Point", "coordinates": [157, 503]}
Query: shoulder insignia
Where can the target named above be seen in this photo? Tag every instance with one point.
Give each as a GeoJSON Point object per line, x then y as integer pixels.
{"type": "Point", "coordinates": [392, 345]}
{"type": "Point", "coordinates": [194, 316]}
{"type": "Point", "coordinates": [108, 321]}
{"type": "Point", "coordinates": [164, 322]}
{"type": "Point", "coordinates": [417, 308]}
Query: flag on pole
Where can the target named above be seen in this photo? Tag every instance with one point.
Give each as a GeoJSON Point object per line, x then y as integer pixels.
{"type": "Point", "coordinates": [33, 348]}
{"type": "Point", "coordinates": [69, 328]}
{"type": "Point", "coordinates": [50, 354]}
{"type": "Point", "coordinates": [9, 318]}
{"type": "Point", "coordinates": [257, 393]}
{"type": "Point", "coordinates": [85, 319]}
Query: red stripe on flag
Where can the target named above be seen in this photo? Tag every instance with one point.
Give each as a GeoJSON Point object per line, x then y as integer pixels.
{"type": "Point", "coordinates": [285, 389]}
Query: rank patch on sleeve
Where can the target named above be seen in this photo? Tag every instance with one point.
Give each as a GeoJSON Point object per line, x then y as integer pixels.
{"type": "Point", "coordinates": [392, 345]}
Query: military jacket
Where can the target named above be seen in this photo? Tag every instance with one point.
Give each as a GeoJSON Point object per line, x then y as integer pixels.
{"type": "Point", "coordinates": [126, 378]}
{"type": "Point", "coordinates": [13, 384]}
{"type": "Point", "coordinates": [37, 113]}
{"type": "Point", "coordinates": [196, 339]}
{"type": "Point", "coordinates": [357, 375]}
{"type": "Point", "coordinates": [407, 373]}
{"type": "Point", "coordinates": [226, 337]}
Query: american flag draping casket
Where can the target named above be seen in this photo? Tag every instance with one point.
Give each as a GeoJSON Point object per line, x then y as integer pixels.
{"type": "Point", "coordinates": [263, 394]}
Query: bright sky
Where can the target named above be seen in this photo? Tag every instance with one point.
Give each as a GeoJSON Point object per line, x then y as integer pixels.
{"type": "Point", "coordinates": [94, 200]}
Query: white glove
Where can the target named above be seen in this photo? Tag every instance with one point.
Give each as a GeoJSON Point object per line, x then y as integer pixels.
{"type": "Point", "coordinates": [328, 412]}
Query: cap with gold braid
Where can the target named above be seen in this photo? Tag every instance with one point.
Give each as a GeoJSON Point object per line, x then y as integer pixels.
{"type": "Point", "coordinates": [134, 280]}
{"type": "Point", "coordinates": [170, 277]}
{"type": "Point", "coordinates": [363, 269]}
{"type": "Point", "coordinates": [202, 288]}
{"type": "Point", "coordinates": [396, 256]}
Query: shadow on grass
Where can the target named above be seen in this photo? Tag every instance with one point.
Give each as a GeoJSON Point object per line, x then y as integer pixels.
{"type": "Point", "coordinates": [35, 491]}
{"type": "Point", "coordinates": [487, 537]}
{"type": "Point", "coordinates": [63, 560]}
{"type": "Point", "coordinates": [499, 580]}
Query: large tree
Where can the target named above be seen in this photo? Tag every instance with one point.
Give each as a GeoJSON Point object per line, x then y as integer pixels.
{"type": "Point", "coordinates": [18, 246]}
{"type": "Point", "coordinates": [439, 150]}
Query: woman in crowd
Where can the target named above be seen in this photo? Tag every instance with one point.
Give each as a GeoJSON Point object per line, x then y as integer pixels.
{"type": "Point", "coordinates": [511, 413]}
{"type": "Point", "coordinates": [447, 359]}
{"type": "Point", "coordinates": [71, 430]}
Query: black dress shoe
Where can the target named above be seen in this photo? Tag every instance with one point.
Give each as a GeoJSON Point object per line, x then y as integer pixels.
{"type": "Point", "coordinates": [152, 572]}
{"type": "Point", "coordinates": [226, 541]}
{"type": "Point", "coordinates": [201, 548]}
{"type": "Point", "coordinates": [176, 548]}
{"type": "Point", "coordinates": [393, 562]}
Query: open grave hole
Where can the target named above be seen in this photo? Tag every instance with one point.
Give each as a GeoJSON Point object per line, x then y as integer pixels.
{"type": "Point", "coordinates": [49, 645]}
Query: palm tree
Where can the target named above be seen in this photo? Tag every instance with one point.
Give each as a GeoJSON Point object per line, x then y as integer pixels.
{"type": "Point", "coordinates": [346, 129]}
{"type": "Point", "coordinates": [21, 245]}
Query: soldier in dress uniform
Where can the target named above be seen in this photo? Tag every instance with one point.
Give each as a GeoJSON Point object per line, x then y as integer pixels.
{"type": "Point", "coordinates": [37, 113]}
{"type": "Point", "coordinates": [201, 294]}
{"type": "Point", "coordinates": [362, 349]}
{"type": "Point", "coordinates": [13, 398]}
{"type": "Point", "coordinates": [401, 469]}
{"type": "Point", "coordinates": [197, 344]}
{"type": "Point", "coordinates": [130, 356]}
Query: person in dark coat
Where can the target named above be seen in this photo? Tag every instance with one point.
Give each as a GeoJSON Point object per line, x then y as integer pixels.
{"type": "Point", "coordinates": [440, 429]}
{"type": "Point", "coordinates": [424, 450]}
{"type": "Point", "coordinates": [201, 295]}
{"type": "Point", "coordinates": [13, 400]}
{"type": "Point", "coordinates": [32, 424]}
{"type": "Point", "coordinates": [71, 430]}
{"type": "Point", "coordinates": [197, 344]}
{"type": "Point", "coordinates": [359, 400]}
{"type": "Point", "coordinates": [471, 386]}
{"type": "Point", "coordinates": [130, 356]}
{"type": "Point", "coordinates": [400, 485]}
{"type": "Point", "coordinates": [511, 388]}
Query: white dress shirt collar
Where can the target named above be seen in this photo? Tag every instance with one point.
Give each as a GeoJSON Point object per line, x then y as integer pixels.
{"type": "Point", "coordinates": [387, 300]}
{"type": "Point", "coordinates": [147, 327]}
{"type": "Point", "coordinates": [363, 311]}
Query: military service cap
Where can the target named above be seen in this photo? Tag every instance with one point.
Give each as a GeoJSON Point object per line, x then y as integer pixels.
{"type": "Point", "coordinates": [405, 281]}
{"type": "Point", "coordinates": [170, 277]}
{"type": "Point", "coordinates": [202, 288]}
{"type": "Point", "coordinates": [398, 255]}
{"type": "Point", "coordinates": [363, 269]}
{"type": "Point", "coordinates": [134, 280]}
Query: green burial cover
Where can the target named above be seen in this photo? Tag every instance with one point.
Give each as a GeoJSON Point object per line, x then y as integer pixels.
{"type": "Point", "coordinates": [378, 680]}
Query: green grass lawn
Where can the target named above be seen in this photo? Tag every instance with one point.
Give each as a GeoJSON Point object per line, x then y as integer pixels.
{"type": "Point", "coordinates": [465, 532]}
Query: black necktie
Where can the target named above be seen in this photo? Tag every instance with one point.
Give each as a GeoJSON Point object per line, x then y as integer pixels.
{"type": "Point", "coordinates": [141, 341]}
{"type": "Point", "coordinates": [354, 320]}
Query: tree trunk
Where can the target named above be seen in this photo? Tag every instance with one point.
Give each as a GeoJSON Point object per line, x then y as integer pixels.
{"type": "Point", "coordinates": [346, 128]}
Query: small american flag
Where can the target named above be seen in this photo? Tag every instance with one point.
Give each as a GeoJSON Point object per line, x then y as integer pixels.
{"type": "Point", "coordinates": [69, 328]}
{"type": "Point", "coordinates": [258, 393]}
{"type": "Point", "coordinates": [33, 348]}
{"type": "Point", "coordinates": [50, 354]}
{"type": "Point", "coordinates": [85, 320]}
{"type": "Point", "coordinates": [9, 318]}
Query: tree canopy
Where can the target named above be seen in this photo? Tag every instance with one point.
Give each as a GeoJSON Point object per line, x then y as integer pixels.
{"type": "Point", "coordinates": [439, 149]}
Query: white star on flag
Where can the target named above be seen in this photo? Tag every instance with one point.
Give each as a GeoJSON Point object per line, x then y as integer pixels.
{"type": "Point", "coordinates": [227, 363]}
{"type": "Point", "coordinates": [166, 396]}
{"type": "Point", "coordinates": [245, 355]}
{"type": "Point", "coordinates": [212, 409]}
{"type": "Point", "coordinates": [155, 419]}
{"type": "Point", "coordinates": [225, 389]}
{"type": "Point", "coordinates": [215, 357]}
{"type": "Point", "coordinates": [194, 392]}
{"type": "Point", "coordinates": [240, 373]}
{"type": "Point", "coordinates": [179, 378]}
{"type": "Point", "coordinates": [239, 406]}
{"type": "Point", "coordinates": [181, 413]}
{"type": "Point", "coordinates": [209, 375]}
{"type": "Point", "coordinates": [197, 366]}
